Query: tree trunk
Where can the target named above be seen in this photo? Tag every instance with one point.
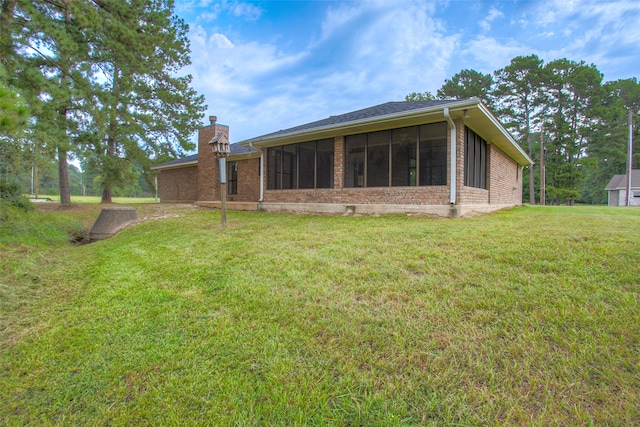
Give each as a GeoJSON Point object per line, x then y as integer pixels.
{"type": "Point", "coordinates": [532, 194]}
{"type": "Point", "coordinates": [6, 20]}
{"type": "Point", "coordinates": [106, 189]}
{"type": "Point", "coordinates": [106, 195]}
{"type": "Point", "coordinates": [63, 173]}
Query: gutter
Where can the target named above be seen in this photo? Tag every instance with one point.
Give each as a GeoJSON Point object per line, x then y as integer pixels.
{"type": "Point", "coordinates": [452, 165]}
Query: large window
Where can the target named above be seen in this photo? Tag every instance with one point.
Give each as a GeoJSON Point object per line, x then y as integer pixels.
{"type": "Point", "coordinates": [304, 165]}
{"type": "Point", "coordinates": [355, 148]}
{"type": "Point", "coordinates": [378, 159]}
{"type": "Point", "coordinates": [433, 154]}
{"type": "Point", "coordinates": [408, 156]}
{"type": "Point", "coordinates": [475, 160]}
{"type": "Point", "coordinates": [232, 178]}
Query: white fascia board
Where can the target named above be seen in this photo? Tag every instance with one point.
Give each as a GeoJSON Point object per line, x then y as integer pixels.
{"type": "Point", "coordinates": [174, 166]}
{"type": "Point", "coordinates": [505, 132]}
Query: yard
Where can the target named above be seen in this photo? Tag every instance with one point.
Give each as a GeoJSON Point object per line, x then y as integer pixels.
{"type": "Point", "coordinates": [528, 316]}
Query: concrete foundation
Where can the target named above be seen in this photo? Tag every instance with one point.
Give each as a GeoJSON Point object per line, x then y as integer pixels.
{"type": "Point", "coordinates": [111, 220]}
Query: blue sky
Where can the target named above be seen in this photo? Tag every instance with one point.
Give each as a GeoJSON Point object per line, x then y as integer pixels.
{"type": "Point", "coordinates": [269, 65]}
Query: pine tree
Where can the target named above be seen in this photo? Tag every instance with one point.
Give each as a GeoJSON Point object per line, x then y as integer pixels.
{"type": "Point", "coordinates": [518, 98]}
{"type": "Point", "coordinates": [146, 110]}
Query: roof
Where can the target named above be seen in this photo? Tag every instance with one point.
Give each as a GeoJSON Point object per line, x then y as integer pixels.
{"type": "Point", "coordinates": [400, 114]}
{"type": "Point", "coordinates": [236, 151]}
{"type": "Point", "coordinates": [619, 182]}
{"type": "Point", "coordinates": [366, 113]}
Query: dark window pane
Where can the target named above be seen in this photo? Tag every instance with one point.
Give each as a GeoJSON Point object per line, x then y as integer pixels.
{"type": "Point", "coordinates": [274, 164]}
{"type": "Point", "coordinates": [307, 164]}
{"type": "Point", "coordinates": [232, 178]}
{"type": "Point", "coordinates": [378, 159]}
{"type": "Point", "coordinates": [289, 167]}
{"type": "Point", "coordinates": [433, 154]}
{"type": "Point", "coordinates": [475, 160]}
{"type": "Point", "coordinates": [324, 178]}
{"type": "Point", "coordinates": [354, 159]}
{"type": "Point", "coordinates": [403, 155]}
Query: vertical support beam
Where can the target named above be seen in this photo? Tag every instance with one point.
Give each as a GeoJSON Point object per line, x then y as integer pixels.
{"type": "Point", "coordinates": [452, 164]}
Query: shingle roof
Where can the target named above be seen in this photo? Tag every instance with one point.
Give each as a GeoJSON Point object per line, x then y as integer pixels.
{"type": "Point", "coordinates": [619, 182]}
{"type": "Point", "coordinates": [365, 113]}
{"type": "Point", "coordinates": [177, 162]}
{"type": "Point", "coordinates": [236, 150]}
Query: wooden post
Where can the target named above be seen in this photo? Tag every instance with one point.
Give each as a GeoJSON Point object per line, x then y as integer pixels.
{"type": "Point", "coordinates": [222, 165]}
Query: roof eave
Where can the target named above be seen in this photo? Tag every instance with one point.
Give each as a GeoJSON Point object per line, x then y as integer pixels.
{"type": "Point", "coordinates": [404, 118]}
{"type": "Point", "coordinates": [174, 166]}
{"type": "Point", "coordinates": [295, 136]}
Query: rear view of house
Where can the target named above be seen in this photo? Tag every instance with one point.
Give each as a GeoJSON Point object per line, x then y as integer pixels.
{"type": "Point", "coordinates": [446, 158]}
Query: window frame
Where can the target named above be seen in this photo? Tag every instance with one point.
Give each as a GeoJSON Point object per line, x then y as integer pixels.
{"type": "Point", "coordinates": [475, 159]}
{"type": "Point", "coordinates": [232, 178]}
{"type": "Point", "coordinates": [289, 155]}
{"type": "Point", "coordinates": [352, 158]}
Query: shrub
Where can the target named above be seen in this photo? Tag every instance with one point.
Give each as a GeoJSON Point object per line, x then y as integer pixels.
{"type": "Point", "coordinates": [11, 194]}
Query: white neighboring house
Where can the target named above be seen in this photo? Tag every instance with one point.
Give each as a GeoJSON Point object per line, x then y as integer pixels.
{"type": "Point", "coordinates": [617, 189]}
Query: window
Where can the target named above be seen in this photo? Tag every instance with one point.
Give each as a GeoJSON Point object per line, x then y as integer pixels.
{"type": "Point", "coordinates": [355, 148]}
{"type": "Point", "coordinates": [300, 166]}
{"type": "Point", "coordinates": [378, 159]}
{"type": "Point", "coordinates": [307, 165]}
{"type": "Point", "coordinates": [324, 164]}
{"type": "Point", "coordinates": [433, 154]}
{"type": "Point", "coordinates": [408, 156]}
{"type": "Point", "coordinates": [403, 156]}
{"type": "Point", "coordinates": [232, 178]}
{"type": "Point", "coordinates": [274, 168]}
{"type": "Point", "coordinates": [475, 160]}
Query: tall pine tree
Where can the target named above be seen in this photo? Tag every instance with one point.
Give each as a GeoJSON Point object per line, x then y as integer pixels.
{"type": "Point", "coordinates": [146, 109]}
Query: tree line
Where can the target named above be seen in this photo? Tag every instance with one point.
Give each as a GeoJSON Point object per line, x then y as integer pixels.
{"type": "Point", "coordinates": [97, 81]}
{"type": "Point", "coordinates": [562, 111]}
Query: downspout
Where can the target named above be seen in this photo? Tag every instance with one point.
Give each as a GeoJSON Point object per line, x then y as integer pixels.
{"type": "Point", "coordinates": [452, 165]}
{"type": "Point", "coordinates": [261, 199]}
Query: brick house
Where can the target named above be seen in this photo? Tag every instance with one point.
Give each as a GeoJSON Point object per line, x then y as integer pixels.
{"type": "Point", "coordinates": [393, 157]}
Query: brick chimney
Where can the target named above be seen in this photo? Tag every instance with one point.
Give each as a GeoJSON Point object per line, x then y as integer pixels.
{"type": "Point", "coordinates": [208, 175]}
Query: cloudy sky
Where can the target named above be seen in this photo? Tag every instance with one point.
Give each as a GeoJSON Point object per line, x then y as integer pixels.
{"type": "Point", "coordinates": [269, 65]}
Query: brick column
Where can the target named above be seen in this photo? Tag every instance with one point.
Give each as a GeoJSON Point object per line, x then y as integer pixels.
{"type": "Point", "coordinates": [338, 162]}
{"type": "Point", "coordinates": [208, 174]}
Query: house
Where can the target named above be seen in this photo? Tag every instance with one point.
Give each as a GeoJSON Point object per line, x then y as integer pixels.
{"type": "Point", "coordinates": [396, 157]}
{"type": "Point", "coordinates": [617, 189]}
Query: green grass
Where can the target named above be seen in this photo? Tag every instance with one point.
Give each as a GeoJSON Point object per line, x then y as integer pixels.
{"type": "Point", "coordinates": [528, 316]}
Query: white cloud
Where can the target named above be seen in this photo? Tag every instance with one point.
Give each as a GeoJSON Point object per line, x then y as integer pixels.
{"type": "Point", "coordinates": [249, 11]}
{"type": "Point", "coordinates": [494, 13]}
{"type": "Point", "coordinates": [257, 87]}
{"type": "Point", "coordinates": [488, 54]}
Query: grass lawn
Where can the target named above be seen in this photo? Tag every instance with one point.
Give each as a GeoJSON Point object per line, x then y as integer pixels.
{"type": "Point", "coordinates": [529, 316]}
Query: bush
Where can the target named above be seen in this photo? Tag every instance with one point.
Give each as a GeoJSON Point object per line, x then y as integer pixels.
{"type": "Point", "coordinates": [11, 194]}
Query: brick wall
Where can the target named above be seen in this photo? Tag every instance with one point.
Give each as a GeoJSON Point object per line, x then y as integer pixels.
{"type": "Point", "coordinates": [248, 181]}
{"type": "Point", "coordinates": [505, 178]}
{"type": "Point", "coordinates": [179, 185]}
{"type": "Point", "coordinates": [432, 195]}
